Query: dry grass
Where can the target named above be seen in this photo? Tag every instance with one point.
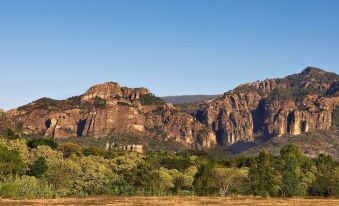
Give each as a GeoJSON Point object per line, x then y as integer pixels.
{"type": "Point", "coordinates": [171, 201]}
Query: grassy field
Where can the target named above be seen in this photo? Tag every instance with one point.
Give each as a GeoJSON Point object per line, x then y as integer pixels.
{"type": "Point", "coordinates": [171, 201]}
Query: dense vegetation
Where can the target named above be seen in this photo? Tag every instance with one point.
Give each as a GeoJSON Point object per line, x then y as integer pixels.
{"type": "Point", "coordinates": [155, 143]}
{"type": "Point", "coordinates": [42, 168]}
{"type": "Point", "coordinates": [52, 104]}
{"type": "Point", "coordinates": [150, 99]}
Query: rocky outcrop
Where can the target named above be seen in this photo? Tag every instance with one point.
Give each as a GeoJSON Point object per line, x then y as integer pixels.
{"type": "Point", "coordinates": [180, 123]}
{"type": "Point", "coordinates": [231, 117]}
{"type": "Point", "coordinates": [292, 105]}
{"type": "Point", "coordinates": [108, 108]}
{"type": "Point", "coordinates": [294, 118]}
{"type": "Point", "coordinates": [112, 90]}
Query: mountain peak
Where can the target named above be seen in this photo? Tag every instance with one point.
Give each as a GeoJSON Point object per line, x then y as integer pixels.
{"type": "Point", "coordinates": [313, 70]}
{"type": "Point", "coordinates": [112, 89]}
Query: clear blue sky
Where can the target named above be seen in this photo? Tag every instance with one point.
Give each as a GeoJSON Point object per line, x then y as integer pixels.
{"type": "Point", "coordinates": [60, 48]}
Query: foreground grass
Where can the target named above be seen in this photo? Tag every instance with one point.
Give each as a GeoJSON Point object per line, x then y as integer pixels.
{"type": "Point", "coordinates": [172, 201]}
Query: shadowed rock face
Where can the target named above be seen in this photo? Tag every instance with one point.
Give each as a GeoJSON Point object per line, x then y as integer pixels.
{"type": "Point", "coordinates": [108, 108]}
{"type": "Point", "coordinates": [293, 105]}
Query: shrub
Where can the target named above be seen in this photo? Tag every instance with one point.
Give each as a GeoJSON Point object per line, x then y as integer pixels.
{"type": "Point", "coordinates": [150, 99]}
{"type": "Point", "coordinates": [35, 142]}
{"type": "Point", "coordinates": [99, 103]}
{"type": "Point", "coordinates": [69, 148]}
{"type": "Point", "coordinates": [26, 187]}
{"type": "Point", "coordinates": [10, 134]}
{"type": "Point", "coordinates": [39, 167]}
{"type": "Point", "coordinates": [9, 190]}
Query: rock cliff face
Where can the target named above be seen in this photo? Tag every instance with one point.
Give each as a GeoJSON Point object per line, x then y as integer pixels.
{"type": "Point", "coordinates": [108, 108]}
{"type": "Point", "coordinates": [292, 105]}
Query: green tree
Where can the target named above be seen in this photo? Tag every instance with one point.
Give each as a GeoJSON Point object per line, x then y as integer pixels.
{"type": "Point", "coordinates": [35, 142]}
{"type": "Point", "coordinates": [334, 182]}
{"type": "Point", "coordinates": [203, 176]}
{"type": "Point", "coordinates": [10, 162]}
{"type": "Point", "coordinates": [229, 180]}
{"type": "Point", "coordinates": [263, 178]}
{"type": "Point", "coordinates": [39, 167]}
{"type": "Point", "coordinates": [326, 172]}
{"type": "Point", "coordinates": [68, 148]}
{"type": "Point", "coordinates": [183, 180]}
{"type": "Point", "coordinates": [290, 168]}
{"type": "Point", "coordinates": [161, 181]}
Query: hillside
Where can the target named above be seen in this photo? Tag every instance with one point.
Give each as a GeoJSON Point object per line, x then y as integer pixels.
{"type": "Point", "coordinates": [188, 99]}
{"type": "Point", "coordinates": [300, 108]}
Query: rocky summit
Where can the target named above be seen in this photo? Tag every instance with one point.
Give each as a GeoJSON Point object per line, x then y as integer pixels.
{"type": "Point", "coordinates": [293, 105]}
{"type": "Point", "coordinates": [109, 108]}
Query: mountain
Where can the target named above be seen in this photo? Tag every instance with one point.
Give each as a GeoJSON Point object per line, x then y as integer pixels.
{"type": "Point", "coordinates": [296, 104]}
{"type": "Point", "coordinates": [254, 114]}
{"type": "Point", "coordinates": [188, 99]}
{"type": "Point", "coordinates": [109, 109]}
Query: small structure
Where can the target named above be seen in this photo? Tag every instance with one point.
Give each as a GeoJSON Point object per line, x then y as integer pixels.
{"type": "Point", "coordinates": [134, 148]}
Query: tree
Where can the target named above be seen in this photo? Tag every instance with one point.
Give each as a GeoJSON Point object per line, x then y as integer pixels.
{"type": "Point", "coordinates": [92, 150]}
{"type": "Point", "coordinates": [291, 161]}
{"type": "Point", "coordinates": [264, 179]}
{"type": "Point", "coordinates": [227, 180]}
{"type": "Point", "coordinates": [39, 167]}
{"type": "Point", "coordinates": [35, 142]}
{"type": "Point", "coordinates": [63, 176]}
{"type": "Point", "coordinates": [10, 162]}
{"type": "Point", "coordinates": [160, 181]}
{"type": "Point", "coordinates": [183, 180]}
{"type": "Point", "coordinates": [326, 173]}
{"type": "Point", "coordinates": [203, 176]}
{"type": "Point", "coordinates": [334, 182]}
{"type": "Point", "coordinates": [69, 148]}
{"type": "Point", "coordinates": [95, 175]}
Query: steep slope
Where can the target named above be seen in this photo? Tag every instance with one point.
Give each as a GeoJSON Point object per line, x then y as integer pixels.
{"type": "Point", "coordinates": [108, 108]}
{"type": "Point", "coordinates": [292, 105]}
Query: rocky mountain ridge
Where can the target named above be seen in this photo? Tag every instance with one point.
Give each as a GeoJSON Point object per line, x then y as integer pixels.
{"type": "Point", "coordinates": [108, 108]}
{"type": "Point", "coordinates": [293, 105]}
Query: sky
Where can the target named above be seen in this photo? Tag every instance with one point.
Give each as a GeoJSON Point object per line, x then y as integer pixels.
{"type": "Point", "coordinates": [59, 48]}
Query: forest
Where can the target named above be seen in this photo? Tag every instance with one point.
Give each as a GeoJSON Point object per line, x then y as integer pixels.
{"type": "Point", "coordinates": [43, 168]}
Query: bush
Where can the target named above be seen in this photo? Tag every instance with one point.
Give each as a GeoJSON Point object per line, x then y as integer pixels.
{"type": "Point", "coordinates": [99, 103]}
{"type": "Point", "coordinates": [39, 167]}
{"type": "Point", "coordinates": [69, 148]}
{"type": "Point", "coordinates": [150, 99]}
{"type": "Point", "coordinates": [26, 187]}
{"type": "Point", "coordinates": [35, 142]}
{"type": "Point", "coordinates": [9, 190]}
{"type": "Point", "coordinates": [10, 134]}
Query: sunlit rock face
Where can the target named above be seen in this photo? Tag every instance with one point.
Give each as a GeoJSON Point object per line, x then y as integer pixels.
{"type": "Point", "coordinates": [108, 108]}
{"type": "Point", "coordinates": [274, 107]}
{"type": "Point", "coordinates": [111, 90]}
{"type": "Point", "coordinates": [292, 105]}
